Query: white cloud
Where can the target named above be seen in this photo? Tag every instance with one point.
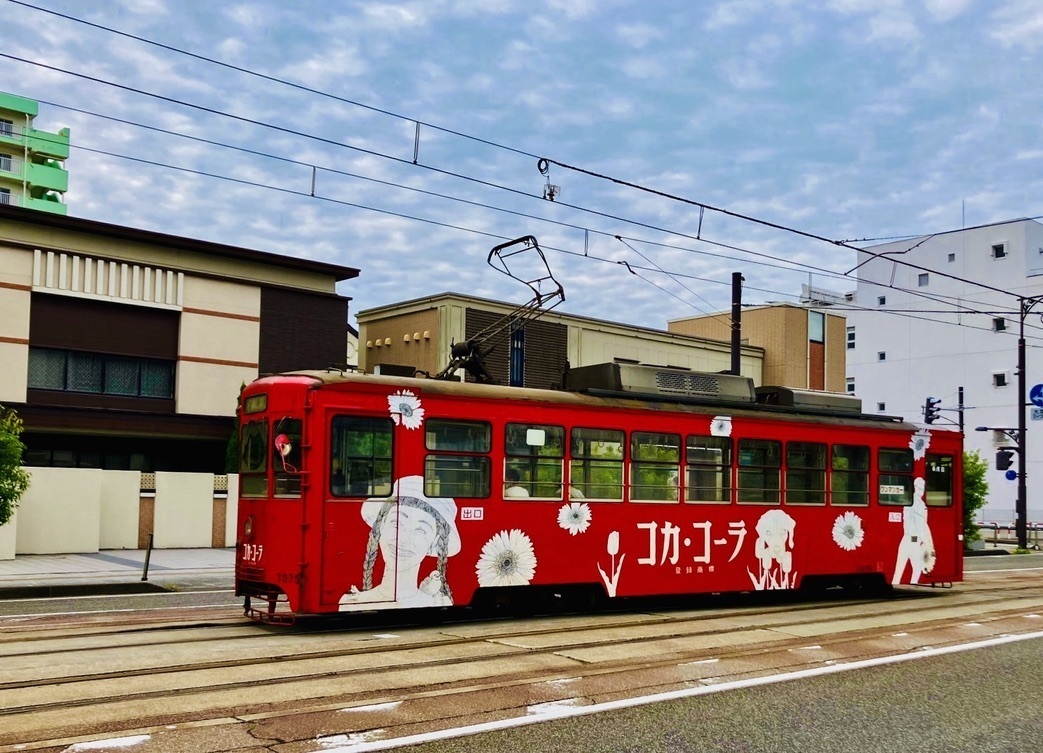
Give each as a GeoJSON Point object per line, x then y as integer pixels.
{"type": "Point", "coordinates": [639, 35]}
{"type": "Point", "coordinates": [946, 10]}
{"type": "Point", "coordinates": [1019, 24]}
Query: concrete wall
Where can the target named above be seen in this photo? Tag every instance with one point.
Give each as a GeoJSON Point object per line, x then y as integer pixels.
{"type": "Point", "coordinates": [61, 511]}
{"type": "Point", "coordinates": [83, 510]}
{"type": "Point", "coordinates": [120, 500]}
{"type": "Point", "coordinates": [184, 510]}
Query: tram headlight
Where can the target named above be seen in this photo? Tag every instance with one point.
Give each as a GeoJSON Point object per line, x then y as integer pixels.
{"type": "Point", "coordinates": [248, 527]}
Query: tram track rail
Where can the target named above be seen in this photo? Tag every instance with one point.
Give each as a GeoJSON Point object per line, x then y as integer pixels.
{"type": "Point", "coordinates": [539, 649]}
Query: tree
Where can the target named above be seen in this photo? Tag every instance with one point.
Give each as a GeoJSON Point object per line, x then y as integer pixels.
{"type": "Point", "coordinates": [14, 479]}
{"type": "Point", "coordinates": [975, 490]}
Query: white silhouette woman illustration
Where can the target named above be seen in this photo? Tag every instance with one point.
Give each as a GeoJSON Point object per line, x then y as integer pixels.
{"type": "Point", "coordinates": [405, 529]}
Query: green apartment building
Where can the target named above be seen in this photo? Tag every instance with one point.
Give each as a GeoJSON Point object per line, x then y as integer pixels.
{"type": "Point", "coordinates": [32, 162]}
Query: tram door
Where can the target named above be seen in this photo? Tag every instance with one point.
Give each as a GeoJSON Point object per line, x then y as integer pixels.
{"type": "Point", "coordinates": [360, 515]}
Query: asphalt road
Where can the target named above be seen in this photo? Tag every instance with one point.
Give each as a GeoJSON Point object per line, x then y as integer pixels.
{"type": "Point", "coordinates": [988, 700]}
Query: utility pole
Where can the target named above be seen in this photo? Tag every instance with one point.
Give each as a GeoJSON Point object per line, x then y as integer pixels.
{"type": "Point", "coordinates": [737, 280]}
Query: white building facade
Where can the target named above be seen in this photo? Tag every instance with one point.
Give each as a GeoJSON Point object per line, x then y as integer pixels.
{"type": "Point", "coordinates": [937, 313]}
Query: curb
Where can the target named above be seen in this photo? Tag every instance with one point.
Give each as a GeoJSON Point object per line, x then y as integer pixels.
{"type": "Point", "coordinates": [59, 590]}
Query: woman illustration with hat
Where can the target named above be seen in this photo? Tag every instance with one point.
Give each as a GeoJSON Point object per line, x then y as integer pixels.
{"type": "Point", "coordinates": [405, 529]}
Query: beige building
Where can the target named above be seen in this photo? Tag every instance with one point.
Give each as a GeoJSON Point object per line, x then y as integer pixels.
{"type": "Point", "coordinates": [418, 335]}
{"type": "Point", "coordinates": [803, 348]}
{"type": "Point", "coordinates": [125, 349]}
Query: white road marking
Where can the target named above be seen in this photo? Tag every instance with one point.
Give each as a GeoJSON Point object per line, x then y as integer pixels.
{"type": "Point", "coordinates": [116, 742]}
{"type": "Point", "coordinates": [373, 707]}
{"type": "Point", "coordinates": [551, 707]}
{"type": "Point", "coordinates": [576, 711]}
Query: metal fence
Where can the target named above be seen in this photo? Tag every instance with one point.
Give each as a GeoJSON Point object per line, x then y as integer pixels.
{"type": "Point", "coordinates": [1006, 533]}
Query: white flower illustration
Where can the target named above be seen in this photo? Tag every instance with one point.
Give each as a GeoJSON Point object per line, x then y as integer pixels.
{"type": "Point", "coordinates": [847, 531]}
{"type": "Point", "coordinates": [574, 517]}
{"type": "Point", "coordinates": [507, 560]}
{"type": "Point", "coordinates": [919, 443]}
{"type": "Point", "coordinates": [927, 557]}
{"type": "Point", "coordinates": [721, 426]}
{"type": "Point", "coordinates": [405, 409]}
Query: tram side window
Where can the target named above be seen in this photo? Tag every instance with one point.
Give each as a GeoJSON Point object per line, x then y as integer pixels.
{"type": "Point", "coordinates": [805, 473]}
{"type": "Point", "coordinates": [454, 467]}
{"type": "Point", "coordinates": [360, 463]}
{"type": "Point", "coordinates": [760, 462]}
{"type": "Point", "coordinates": [535, 461]}
{"type": "Point", "coordinates": [896, 476]}
{"type": "Point", "coordinates": [596, 467]}
{"type": "Point", "coordinates": [708, 469]}
{"type": "Point", "coordinates": [253, 459]}
{"type": "Point", "coordinates": [939, 480]}
{"type": "Point", "coordinates": [286, 457]}
{"type": "Point", "coordinates": [654, 466]}
{"type": "Point", "coordinates": [849, 479]}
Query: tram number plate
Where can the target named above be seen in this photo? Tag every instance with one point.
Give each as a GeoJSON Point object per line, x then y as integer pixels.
{"type": "Point", "coordinates": [252, 552]}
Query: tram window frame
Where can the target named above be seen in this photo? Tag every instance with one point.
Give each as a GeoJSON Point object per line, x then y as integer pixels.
{"type": "Point", "coordinates": [765, 493]}
{"type": "Point", "coordinates": [703, 469]}
{"type": "Point", "coordinates": [457, 464]}
{"type": "Point", "coordinates": [661, 476]}
{"type": "Point", "coordinates": [286, 468]}
{"type": "Point", "coordinates": [584, 462]}
{"type": "Point", "coordinates": [892, 475]}
{"type": "Point", "coordinates": [253, 469]}
{"type": "Point", "coordinates": [811, 474]}
{"type": "Point", "coordinates": [936, 495]}
{"type": "Point", "coordinates": [537, 453]}
{"type": "Point", "coordinates": [838, 471]}
{"type": "Point", "coordinates": [364, 472]}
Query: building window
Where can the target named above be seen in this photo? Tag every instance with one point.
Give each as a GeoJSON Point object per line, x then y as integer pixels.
{"type": "Point", "coordinates": [999, 324]}
{"type": "Point", "coordinates": [5, 163]}
{"type": "Point", "coordinates": [881, 300]}
{"type": "Point", "coordinates": [850, 386]}
{"type": "Point", "coordinates": [881, 356]}
{"type": "Point", "coordinates": [5, 195]}
{"type": "Point", "coordinates": [923, 279]}
{"type": "Point", "coordinates": [952, 258]}
{"type": "Point", "coordinates": [816, 327]}
{"type": "Point", "coordinates": [99, 374]}
{"type": "Point", "coordinates": [999, 250]}
{"type": "Point", "coordinates": [850, 338]}
{"type": "Point", "coordinates": [999, 379]}
{"type": "Point", "coordinates": [6, 127]}
{"type": "Point", "coordinates": [881, 407]}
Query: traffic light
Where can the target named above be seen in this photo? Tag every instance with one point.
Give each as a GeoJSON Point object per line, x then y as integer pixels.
{"type": "Point", "coordinates": [1004, 458]}
{"type": "Point", "coordinates": [931, 409]}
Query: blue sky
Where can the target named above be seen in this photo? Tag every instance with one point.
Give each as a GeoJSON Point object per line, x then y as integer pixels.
{"type": "Point", "coordinates": [845, 119]}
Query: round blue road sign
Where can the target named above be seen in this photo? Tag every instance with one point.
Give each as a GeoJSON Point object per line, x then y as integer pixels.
{"type": "Point", "coordinates": [1011, 475]}
{"type": "Point", "coordinates": [1036, 395]}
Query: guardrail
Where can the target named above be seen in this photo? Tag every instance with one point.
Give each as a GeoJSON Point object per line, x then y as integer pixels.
{"type": "Point", "coordinates": [1006, 533]}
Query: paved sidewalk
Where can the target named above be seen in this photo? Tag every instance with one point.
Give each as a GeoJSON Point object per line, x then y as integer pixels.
{"type": "Point", "coordinates": [116, 571]}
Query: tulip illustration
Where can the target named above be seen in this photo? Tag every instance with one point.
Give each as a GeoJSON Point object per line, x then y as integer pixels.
{"type": "Point", "coordinates": [613, 550]}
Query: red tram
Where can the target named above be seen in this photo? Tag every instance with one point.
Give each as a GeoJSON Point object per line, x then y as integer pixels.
{"type": "Point", "coordinates": [363, 492]}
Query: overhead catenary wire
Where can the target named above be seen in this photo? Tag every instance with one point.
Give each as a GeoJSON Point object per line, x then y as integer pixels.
{"type": "Point", "coordinates": [486, 234]}
{"type": "Point", "coordinates": [787, 264]}
{"type": "Point", "coordinates": [702, 206]}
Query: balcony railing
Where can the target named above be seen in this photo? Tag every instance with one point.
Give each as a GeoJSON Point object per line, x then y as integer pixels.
{"type": "Point", "coordinates": [8, 131]}
{"type": "Point", "coordinates": [9, 164]}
